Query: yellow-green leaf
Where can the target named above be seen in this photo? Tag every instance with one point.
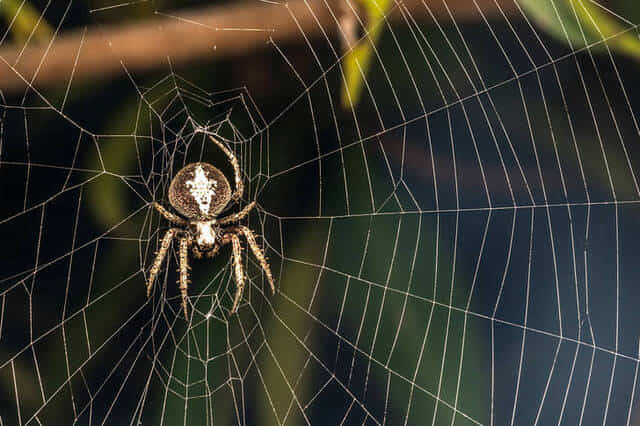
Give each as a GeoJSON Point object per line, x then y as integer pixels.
{"type": "Point", "coordinates": [358, 60]}
{"type": "Point", "coordinates": [24, 20]}
{"type": "Point", "coordinates": [582, 23]}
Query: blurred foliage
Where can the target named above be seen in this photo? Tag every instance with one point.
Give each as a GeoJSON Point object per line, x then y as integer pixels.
{"type": "Point", "coordinates": [25, 21]}
{"type": "Point", "coordinates": [582, 23]}
{"type": "Point", "coordinates": [108, 200]}
{"type": "Point", "coordinates": [358, 60]}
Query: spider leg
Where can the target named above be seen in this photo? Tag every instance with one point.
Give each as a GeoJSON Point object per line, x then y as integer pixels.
{"type": "Point", "coordinates": [237, 263]}
{"type": "Point", "coordinates": [236, 168]}
{"type": "Point", "coordinates": [258, 253]}
{"type": "Point", "coordinates": [162, 253]}
{"type": "Point", "coordinates": [171, 217]}
{"type": "Point", "coordinates": [184, 273]}
{"type": "Point", "coordinates": [237, 216]}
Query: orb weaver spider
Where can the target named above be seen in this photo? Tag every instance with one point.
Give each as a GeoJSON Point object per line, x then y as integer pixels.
{"type": "Point", "coordinates": [200, 192]}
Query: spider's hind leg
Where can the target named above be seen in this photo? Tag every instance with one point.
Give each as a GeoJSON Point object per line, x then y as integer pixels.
{"type": "Point", "coordinates": [235, 217]}
{"type": "Point", "coordinates": [171, 217]}
{"type": "Point", "coordinates": [236, 168]}
{"type": "Point", "coordinates": [237, 263]}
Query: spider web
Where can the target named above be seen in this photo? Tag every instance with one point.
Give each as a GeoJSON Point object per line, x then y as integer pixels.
{"type": "Point", "coordinates": [457, 248]}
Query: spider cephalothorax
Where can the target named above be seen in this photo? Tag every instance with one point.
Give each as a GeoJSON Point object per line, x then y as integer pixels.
{"type": "Point", "coordinates": [200, 192]}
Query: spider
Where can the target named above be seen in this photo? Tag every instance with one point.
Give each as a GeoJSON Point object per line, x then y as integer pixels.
{"type": "Point", "coordinates": [200, 192]}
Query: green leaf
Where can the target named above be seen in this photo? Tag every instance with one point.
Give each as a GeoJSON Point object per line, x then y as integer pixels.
{"type": "Point", "coordinates": [358, 60]}
{"type": "Point", "coordinates": [582, 23]}
{"type": "Point", "coordinates": [25, 20]}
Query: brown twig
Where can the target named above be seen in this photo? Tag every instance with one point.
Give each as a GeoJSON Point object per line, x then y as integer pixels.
{"type": "Point", "coordinates": [223, 31]}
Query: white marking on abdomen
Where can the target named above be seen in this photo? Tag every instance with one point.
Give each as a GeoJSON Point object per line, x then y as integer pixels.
{"type": "Point", "coordinates": [202, 189]}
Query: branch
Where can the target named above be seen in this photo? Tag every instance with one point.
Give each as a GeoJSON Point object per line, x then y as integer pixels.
{"type": "Point", "coordinates": [222, 31]}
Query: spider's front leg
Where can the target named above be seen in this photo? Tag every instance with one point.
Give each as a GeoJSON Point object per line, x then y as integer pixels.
{"type": "Point", "coordinates": [162, 253]}
{"type": "Point", "coordinates": [232, 234]}
{"type": "Point", "coordinates": [184, 273]}
{"type": "Point", "coordinates": [258, 253]}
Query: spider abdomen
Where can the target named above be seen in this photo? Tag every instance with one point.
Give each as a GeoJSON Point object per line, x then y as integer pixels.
{"type": "Point", "coordinates": [199, 191]}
